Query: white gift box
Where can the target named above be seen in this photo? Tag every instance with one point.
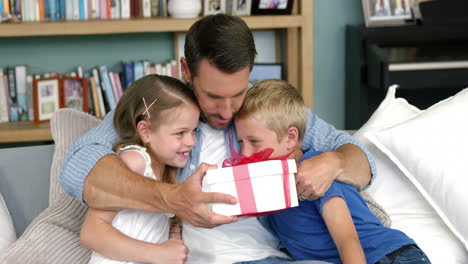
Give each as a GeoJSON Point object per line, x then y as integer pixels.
{"type": "Point", "coordinates": [259, 187]}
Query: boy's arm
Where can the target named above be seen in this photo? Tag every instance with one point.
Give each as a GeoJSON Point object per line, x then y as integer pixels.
{"type": "Point", "coordinates": [340, 224]}
{"type": "Point", "coordinates": [344, 159]}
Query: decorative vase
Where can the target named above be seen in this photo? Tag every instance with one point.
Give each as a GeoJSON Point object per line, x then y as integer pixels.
{"type": "Point", "coordinates": [184, 8]}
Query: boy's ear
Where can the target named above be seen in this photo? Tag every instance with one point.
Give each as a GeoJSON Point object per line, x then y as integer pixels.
{"type": "Point", "coordinates": [292, 137]}
{"type": "Point", "coordinates": [186, 75]}
{"type": "Point", "coordinates": [144, 130]}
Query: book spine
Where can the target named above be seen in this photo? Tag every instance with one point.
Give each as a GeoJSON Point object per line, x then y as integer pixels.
{"type": "Point", "coordinates": [94, 92]}
{"type": "Point", "coordinates": [128, 74]}
{"type": "Point", "coordinates": [82, 9]}
{"type": "Point", "coordinates": [29, 80]}
{"type": "Point", "coordinates": [13, 97]}
{"type": "Point", "coordinates": [106, 86]}
{"type": "Point", "coordinates": [125, 9]}
{"type": "Point", "coordinates": [21, 92]}
{"type": "Point", "coordinates": [118, 83]}
{"type": "Point", "coordinates": [114, 87]}
{"type": "Point", "coordinates": [53, 10]}
{"type": "Point", "coordinates": [146, 8]}
{"type": "Point", "coordinates": [102, 9]}
{"type": "Point", "coordinates": [4, 113]}
{"type": "Point", "coordinates": [154, 8]}
{"type": "Point", "coordinates": [7, 94]}
{"type": "Point", "coordinates": [97, 83]}
{"type": "Point", "coordinates": [138, 70]}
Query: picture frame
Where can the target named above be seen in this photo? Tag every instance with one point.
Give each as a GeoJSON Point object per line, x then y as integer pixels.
{"type": "Point", "coordinates": [47, 98]}
{"type": "Point", "coordinates": [212, 7]}
{"type": "Point", "coordinates": [265, 71]}
{"type": "Point", "coordinates": [387, 12]}
{"type": "Point", "coordinates": [75, 93]}
{"type": "Point", "coordinates": [240, 7]}
{"type": "Point", "coordinates": [271, 7]}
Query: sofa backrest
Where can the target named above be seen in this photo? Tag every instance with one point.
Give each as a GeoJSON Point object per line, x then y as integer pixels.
{"type": "Point", "coordinates": [67, 125]}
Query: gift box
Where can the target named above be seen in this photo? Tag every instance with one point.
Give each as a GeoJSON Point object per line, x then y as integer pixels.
{"type": "Point", "coordinates": [260, 187]}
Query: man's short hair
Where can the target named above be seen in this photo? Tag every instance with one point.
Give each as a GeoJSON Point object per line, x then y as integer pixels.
{"type": "Point", "coordinates": [278, 104]}
{"type": "Point", "coordinates": [224, 40]}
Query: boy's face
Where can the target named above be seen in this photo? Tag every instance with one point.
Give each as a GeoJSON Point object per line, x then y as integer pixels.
{"type": "Point", "coordinates": [254, 136]}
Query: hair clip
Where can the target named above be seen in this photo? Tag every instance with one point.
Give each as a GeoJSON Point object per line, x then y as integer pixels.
{"type": "Point", "coordinates": [148, 107]}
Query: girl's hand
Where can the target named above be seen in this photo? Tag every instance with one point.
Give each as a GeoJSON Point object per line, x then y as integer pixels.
{"type": "Point", "coordinates": [173, 251]}
{"type": "Point", "coordinates": [175, 231]}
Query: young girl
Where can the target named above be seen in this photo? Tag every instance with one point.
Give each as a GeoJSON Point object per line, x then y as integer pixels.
{"type": "Point", "coordinates": [156, 119]}
{"type": "Point", "coordinates": [336, 228]}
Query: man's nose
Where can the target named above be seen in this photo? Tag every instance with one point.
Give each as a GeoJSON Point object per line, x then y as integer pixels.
{"type": "Point", "coordinates": [225, 109]}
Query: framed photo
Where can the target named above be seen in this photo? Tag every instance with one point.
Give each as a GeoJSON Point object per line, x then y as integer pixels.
{"type": "Point", "coordinates": [211, 7]}
{"type": "Point", "coordinates": [387, 12]}
{"type": "Point", "coordinates": [47, 98]}
{"type": "Point", "coordinates": [240, 7]}
{"type": "Point", "coordinates": [75, 93]}
{"type": "Point", "coordinates": [265, 71]}
{"type": "Point", "coordinates": [272, 7]}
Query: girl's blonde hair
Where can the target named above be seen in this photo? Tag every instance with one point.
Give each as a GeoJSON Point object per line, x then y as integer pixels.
{"type": "Point", "coordinates": [278, 104]}
{"type": "Point", "coordinates": [168, 93]}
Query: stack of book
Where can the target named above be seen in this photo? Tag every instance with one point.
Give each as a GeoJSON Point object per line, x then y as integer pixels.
{"type": "Point", "coordinates": [18, 101]}
{"type": "Point", "coordinates": [53, 10]}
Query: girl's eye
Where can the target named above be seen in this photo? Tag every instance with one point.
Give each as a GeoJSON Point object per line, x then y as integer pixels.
{"type": "Point", "coordinates": [180, 133]}
{"type": "Point", "coordinates": [240, 141]}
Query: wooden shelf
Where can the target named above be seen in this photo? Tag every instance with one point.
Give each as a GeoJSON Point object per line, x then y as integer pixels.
{"type": "Point", "coordinates": [97, 27]}
{"type": "Point", "coordinates": [24, 131]}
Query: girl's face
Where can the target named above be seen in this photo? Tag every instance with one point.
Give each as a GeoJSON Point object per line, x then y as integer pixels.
{"type": "Point", "coordinates": [173, 138]}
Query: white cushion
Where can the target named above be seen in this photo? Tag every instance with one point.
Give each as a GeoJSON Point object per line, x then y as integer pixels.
{"type": "Point", "coordinates": [407, 208]}
{"type": "Point", "coordinates": [7, 233]}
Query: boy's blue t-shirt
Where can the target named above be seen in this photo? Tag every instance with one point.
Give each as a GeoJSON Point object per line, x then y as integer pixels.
{"type": "Point", "coordinates": [303, 232]}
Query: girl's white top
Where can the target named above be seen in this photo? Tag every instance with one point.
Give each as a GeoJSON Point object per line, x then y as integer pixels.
{"type": "Point", "coordinates": [141, 225]}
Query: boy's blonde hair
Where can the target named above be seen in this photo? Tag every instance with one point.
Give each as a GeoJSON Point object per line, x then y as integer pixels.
{"type": "Point", "coordinates": [278, 104]}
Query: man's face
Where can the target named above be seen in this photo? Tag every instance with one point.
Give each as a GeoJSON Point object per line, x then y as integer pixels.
{"type": "Point", "coordinates": [219, 94]}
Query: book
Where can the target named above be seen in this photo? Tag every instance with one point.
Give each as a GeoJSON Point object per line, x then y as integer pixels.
{"type": "Point", "coordinates": [12, 94]}
{"type": "Point", "coordinates": [138, 70]}
{"type": "Point", "coordinates": [114, 87]}
{"type": "Point", "coordinates": [125, 9]}
{"type": "Point", "coordinates": [128, 75]}
{"type": "Point", "coordinates": [21, 92]}
{"type": "Point", "coordinates": [107, 87]}
{"type": "Point", "coordinates": [95, 98]}
{"type": "Point", "coordinates": [100, 95]}
{"type": "Point", "coordinates": [4, 113]}
{"type": "Point", "coordinates": [29, 81]}
{"type": "Point", "coordinates": [154, 8]}
{"type": "Point", "coordinates": [146, 8]}
{"type": "Point", "coordinates": [118, 82]}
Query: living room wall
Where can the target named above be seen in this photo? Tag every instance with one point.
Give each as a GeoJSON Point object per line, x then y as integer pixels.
{"type": "Point", "coordinates": [330, 20]}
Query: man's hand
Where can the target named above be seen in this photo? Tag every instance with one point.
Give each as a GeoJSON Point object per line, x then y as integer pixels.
{"type": "Point", "coordinates": [315, 175]}
{"type": "Point", "coordinates": [188, 202]}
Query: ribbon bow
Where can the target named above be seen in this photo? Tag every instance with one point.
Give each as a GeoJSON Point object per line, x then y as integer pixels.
{"type": "Point", "coordinates": [240, 159]}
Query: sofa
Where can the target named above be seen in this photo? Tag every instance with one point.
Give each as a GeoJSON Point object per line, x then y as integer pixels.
{"type": "Point", "coordinates": [420, 183]}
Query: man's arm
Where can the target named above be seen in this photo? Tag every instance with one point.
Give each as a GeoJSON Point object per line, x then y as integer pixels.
{"type": "Point", "coordinates": [92, 173]}
{"type": "Point", "coordinates": [344, 159]}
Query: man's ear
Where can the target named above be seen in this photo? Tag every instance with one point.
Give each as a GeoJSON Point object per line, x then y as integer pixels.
{"type": "Point", "coordinates": [186, 75]}
{"type": "Point", "coordinates": [292, 138]}
{"type": "Point", "coordinates": [144, 130]}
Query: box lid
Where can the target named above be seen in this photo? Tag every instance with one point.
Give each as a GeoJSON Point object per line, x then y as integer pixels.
{"type": "Point", "coordinates": [258, 169]}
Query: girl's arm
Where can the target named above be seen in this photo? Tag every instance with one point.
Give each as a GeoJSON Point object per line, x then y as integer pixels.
{"type": "Point", "coordinates": [98, 234]}
{"type": "Point", "coordinates": [340, 224]}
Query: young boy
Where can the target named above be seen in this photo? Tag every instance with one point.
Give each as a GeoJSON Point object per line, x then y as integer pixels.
{"type": "Point", "coordinates": [338, 227]}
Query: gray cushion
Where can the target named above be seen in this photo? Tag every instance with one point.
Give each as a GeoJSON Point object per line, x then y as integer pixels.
{"type": "Point", "coordinates": [53, 237]}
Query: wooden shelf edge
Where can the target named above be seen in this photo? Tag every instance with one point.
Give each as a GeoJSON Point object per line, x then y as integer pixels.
{"type": "Point", "coordinates": [24, 131]}
{"type": "Point", "coordinates": [98, 27]}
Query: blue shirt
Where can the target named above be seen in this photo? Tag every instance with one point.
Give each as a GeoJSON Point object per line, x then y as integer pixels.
{"type": "Point", "coordinates": [98, 142]}
{"type": "Point", "coordinates": [303, 232]}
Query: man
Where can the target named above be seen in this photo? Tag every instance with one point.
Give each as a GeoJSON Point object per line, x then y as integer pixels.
{"type": "Point", "coordinates": [220, 53]}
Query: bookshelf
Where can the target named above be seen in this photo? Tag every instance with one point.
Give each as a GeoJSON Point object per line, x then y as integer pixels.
{"type": "Point", "coordinates": [298, 50]}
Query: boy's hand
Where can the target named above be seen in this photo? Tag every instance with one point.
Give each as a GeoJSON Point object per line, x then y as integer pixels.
{"type": "Point", "coordinates": [191, 204]}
